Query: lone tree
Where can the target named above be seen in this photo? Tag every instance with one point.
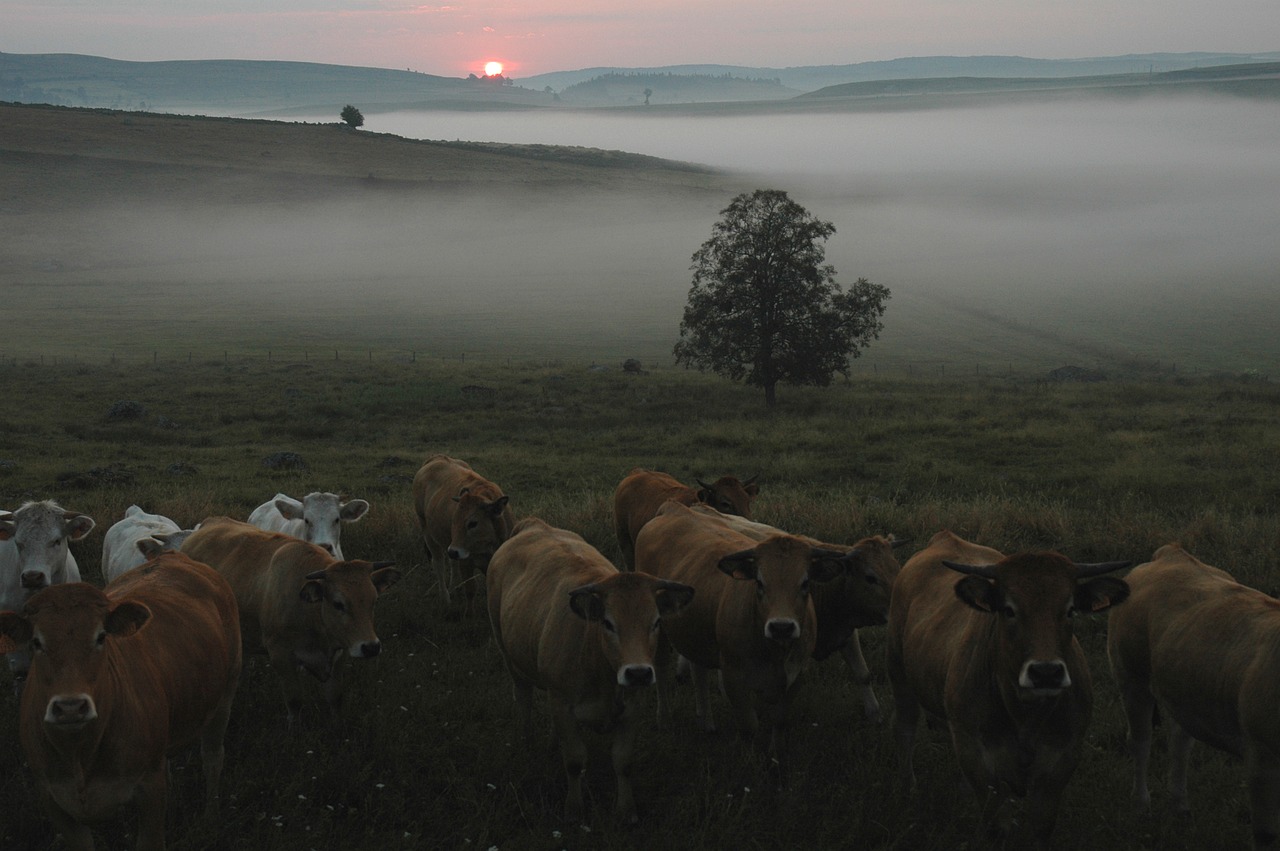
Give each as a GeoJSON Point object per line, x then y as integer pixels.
{"type": "Point", "coordinates": [351, 115]}
{"type": "Point", "coordinates": [764, 307]}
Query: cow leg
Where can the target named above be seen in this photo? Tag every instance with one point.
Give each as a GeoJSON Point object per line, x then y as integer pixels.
{"type": "Point", "coordinates": [75, 836]}
{"type": "Point", "coordinates": [1043, 799]}
{"type": "Point", "coordinates": [1179, 756]}
{"type": "Point", "coordinates": [1264, 798]}
{"type": "Point", "coordinates": [662, 669]}
{"type": "Point", "coordinates": [624, 745]}
{"type": "Point", "coordinates": [333, 692]}
{"type": "Point", "coordinates": [574, 752]}
{"type": "Point", "coordinates": [906, 721]}
{"type": "Point", "coordinates": [213, 753]}
{"type": "Point", "coordinates": [290, 673]}
{"type": "Point", "coordinates": [1139, 708]}
{"type": "Point", "coordinates": [702, 698]}
{"type": "Point", "coordinates": [153, 797]}
{"type": "Point", "coordinates": [523, 694]}
{"type": "Point", "coordinates": [444, 571]}
{"type": "Point", "coordinates": [861, 673]}
{"type": "Point", "coordinates": [741, 701]}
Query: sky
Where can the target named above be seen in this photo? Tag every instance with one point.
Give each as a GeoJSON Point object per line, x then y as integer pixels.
{"type": "Point", "coordinates": [537, 36]}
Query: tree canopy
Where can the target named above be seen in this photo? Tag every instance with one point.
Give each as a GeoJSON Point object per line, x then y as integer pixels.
{"type": "Point", "coordinates": [351, 115]}
{"type": "Point", "coordinates": [765, 307]}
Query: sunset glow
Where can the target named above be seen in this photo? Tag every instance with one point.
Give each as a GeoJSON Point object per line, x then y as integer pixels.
{"type": "Point", "coordinates": [492, 68]}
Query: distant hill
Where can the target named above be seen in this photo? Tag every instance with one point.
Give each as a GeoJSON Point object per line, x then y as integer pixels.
{"type": "Point", "coordinates": [811, 77]}
{"type": "Point", "coordinates": [242, 87]}
{"type": "Point", "coordinates": [640, 88]}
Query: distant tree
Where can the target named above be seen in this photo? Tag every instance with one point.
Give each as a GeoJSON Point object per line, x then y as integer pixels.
{"type": "Point", "coordinates": [765, 308]}
{"type": "Point", "coordinates": [351, 115]}
{"type": "Point", "coordinates": [647, 94]}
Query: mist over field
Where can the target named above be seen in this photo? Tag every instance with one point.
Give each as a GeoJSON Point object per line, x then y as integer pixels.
{"type": "Point", "coordinates": [1023, 236]}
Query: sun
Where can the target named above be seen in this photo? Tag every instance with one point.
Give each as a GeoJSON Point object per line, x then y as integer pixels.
{"type": "Point", "coordinates": [492, 68]}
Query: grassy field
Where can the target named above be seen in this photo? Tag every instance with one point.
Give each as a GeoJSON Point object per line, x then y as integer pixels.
{"type": "Point", "coordinates": [427, 754]}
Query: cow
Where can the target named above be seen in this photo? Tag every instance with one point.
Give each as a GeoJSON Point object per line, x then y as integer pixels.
{"type": "Point", "coordinates": [317, 518]}
{"type": "Point", "coordinates": [34, 554]}
{"type": "Point", "coordinates": [642, 492]}
{"type": "Point", "coordinates": [463, 518]}
{"type": "Point", "coordinates": [858, 597]}
{"type": "Point", "coordinates": [1205, 649]}
{"type": "Point", "coordinates": [304, 607]}
{"type": "Point", "coordinates": [984, 642]}
{"type": "Point", "coordinates": [137, 538]}
{"type": "Point", "coordinates": [751, 618]}
{"type": "Point", "coordinates": [568, 622]}
{"type": "Point", "coordinates": [120, 679]}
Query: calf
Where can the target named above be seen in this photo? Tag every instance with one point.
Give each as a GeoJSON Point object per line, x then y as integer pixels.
{"type": "Point", "coordinates": [34, 554]}
{"type": "Point", "coordinates": [120, 679]}
{"type": "Point", "coordinates": [137, 538]}
{"type": "Point", "coordinates": [857, 597]}
{"type": "Point", "coordinates": [639, 496]}
{"type": "Point", "coordinates": [992, 653]}
{"type": "Point", "coordinates": [317, 518]}
{"type": "Point", "coordinates": [568, 622]}
{"type": "Point", "coordinates": [463, 518]}
{"type": "Point", "coordinates": [304, 607]}
{"type": "Point", "coordinates": [1206, 650]}
{"type": "Point", "coordinates": [751, 617]}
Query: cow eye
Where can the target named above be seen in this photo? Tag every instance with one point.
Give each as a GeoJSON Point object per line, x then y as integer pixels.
{"type": "Point", "coordinates": [1071, 612]}
{"type": "Point", "coordinates": [804, 586]}
{"type": "Point", "coordinates": [609, 625]}
{"type": "Point", "coordinates": [471, 524]}
{"type": "Point", "coordinates": [36, 644]}
{"type": "Point", "coordinates": [1009, 612]}
{"type": "Point", "coordinates": [101, 639]}
{"type": "Point", "coordinates": [55, 542]}
{"type": "Point", "coordinates": [340, 606]}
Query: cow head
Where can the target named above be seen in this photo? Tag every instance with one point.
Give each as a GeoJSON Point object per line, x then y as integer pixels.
{"type": "Point", "coordinates": [41, 531]}
{"type": "Point", "coordinates": [1035, 596]}
{"type": "Point", "coordinates": [345, 591]}
{"type": "Point", "coordinates": [69, 629]}
{"type": "Point", "coordinates": [480, 525]}
{"type": "Point", "coordinates": [322, 516]}
{"type": "Point", "coordinates": [728, 495]}
{"type": "Point", "coordinates": [859, 595]}
{"type": "Point", "coordinates": [628, 607]}
{"type": "Point", "coordinates": [783, 569]}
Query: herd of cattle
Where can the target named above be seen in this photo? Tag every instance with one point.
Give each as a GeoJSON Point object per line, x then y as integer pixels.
{"type": "Point", "coordinates": [978, 639]}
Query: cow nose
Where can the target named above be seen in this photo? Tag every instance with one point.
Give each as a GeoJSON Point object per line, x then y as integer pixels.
{"type": "Point", "coordinates": [456, 553]}
{"type": "Point", "coordinates": [782, 629]}
{"type": "Point", "coordinates": [1047, 675]}
{"type": "Point", "coordinates": [637, 675]}
{"type": "Point", "coordinates": [75, 709]}
{"type": "Point", "coordinates": [327, 548]}
{"type": "Point", "coordinates": [369, 649]}
{"type": "Point", "coordinates": [34, 580]}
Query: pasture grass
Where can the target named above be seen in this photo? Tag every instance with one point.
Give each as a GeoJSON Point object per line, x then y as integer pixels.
{"type": "Point", "coordinates": [427, 753]}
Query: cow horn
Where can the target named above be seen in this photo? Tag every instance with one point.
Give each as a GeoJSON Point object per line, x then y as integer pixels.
{"type": "Point", "coordinates": [703, 484]}
{"type": "Point", "coordinates": [315, 574]}
{"type": "Point", "coordinates": [986, 571]}
{"type": "Point", "coordinates": [1084, 571]}
{"type": "Point", "coordinates": [895, 543]}
{"type": "Point", "coordinates": [752, 479]}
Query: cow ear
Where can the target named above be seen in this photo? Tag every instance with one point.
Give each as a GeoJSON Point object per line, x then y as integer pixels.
{"type": "Point", "coordinates": [15, 631]}
{"type": "Point", "coordinates": [7, 525]}
{"type": "Point", "coordinates": [981, 594]}
{"type": "Point", "coordinates": [353, 510]}
{"type": "Point", "coordinates": [312, 591]}
{"type": "Point", "coordinates": [1100, 594]}
{"type": "Point", "coordinates": [740, 565]}
{"type": "Point", "coordinates": [750, 486]}
{"type": "Point", "coordinates": [825, 565]}
{"type": "Point", "coordinates": [587, 603]}
{"type": "Point", "coordinates": [672, 597]}
{"type": "Point", "coordinates": [499, 505]}
{"type": "Point", "coordinates": [384, 577]}
{"type": "Point", "coordinates": [150, 547]}
{"type": "Point", "coordinates": [126, 618]}
{"type": "Point", "coordinates": [78, 525]}
{"type": "Point", "coordinates": [290, 509]}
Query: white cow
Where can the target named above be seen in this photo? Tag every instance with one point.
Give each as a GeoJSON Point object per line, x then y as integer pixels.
{"type": "Point", "coordinates": [136, 539]}
{"type": "Point", "coordinates": [317, 519]}
{"type": "Point", "coordinates": [34, 555]}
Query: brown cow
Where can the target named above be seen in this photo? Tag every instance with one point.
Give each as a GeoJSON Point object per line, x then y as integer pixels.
{"type": "Point", "coordinates": [751, 616]}
{"type": "Point", "coordinates": [1206, 650]}
{"type": "Point", "coordinates": [992, 653]}
{"type": "Point", "coordinates": [858, 597]}
{"type": "Point", "coordinates": [120, 680]}
{"type": "Point", "coordinates": [567, 621]}
{"type": "Point", "coordinates": [306, 609]}
{"type": "Point", "coordinates": [463, 517]}
{"type": "Point", "coordinates": [639, 496]}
